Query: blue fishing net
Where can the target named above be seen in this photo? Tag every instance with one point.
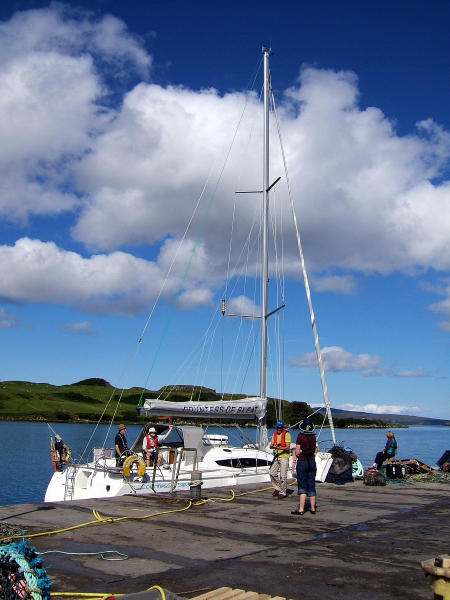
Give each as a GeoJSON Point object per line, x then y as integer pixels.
{"type": "Point", "coordinates": [22, 576]}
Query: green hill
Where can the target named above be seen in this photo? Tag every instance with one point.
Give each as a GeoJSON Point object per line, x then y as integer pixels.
{"type": "Point", "coordinates": [93, 399]}
{"type": "Point", "coordinates": [82, 401]}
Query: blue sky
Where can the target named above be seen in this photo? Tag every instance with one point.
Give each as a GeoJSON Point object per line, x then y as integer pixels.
{"type": "Point", "coordinates": [113, 113]}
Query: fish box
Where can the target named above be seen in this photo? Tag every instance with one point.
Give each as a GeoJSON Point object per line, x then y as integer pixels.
{"type": "Point", "coordinates": [395, 470]}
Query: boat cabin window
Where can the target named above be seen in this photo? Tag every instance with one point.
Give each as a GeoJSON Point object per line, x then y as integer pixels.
{"type": "Point", "coordinates": [243, 463]}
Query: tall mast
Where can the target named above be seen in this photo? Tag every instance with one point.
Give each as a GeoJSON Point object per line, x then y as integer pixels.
{"type": "Point", "coordinates": [264, 277]}
{"type": "Point", "coordinates": [264, 274]}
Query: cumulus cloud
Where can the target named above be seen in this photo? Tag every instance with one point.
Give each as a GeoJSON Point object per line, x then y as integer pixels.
{"type": "Point", "coordinates": [9, 320]}
{"type": "Point", "coordinates": [146, 172]}
{"type": "Point", "coordinates": [49, 106]}
{"type": "Point", "coordinates": [81, 328]}
{"type": "Point", "coordinates": [442, 308]}
{"type": "Point", "coordinates": [132, 173]}
{"type": "Point", "coordinates": [342, 284]}
{"type": "Point", "coordinates": [337, 359]}
{"type": "Point", "coordinates": [368, 201]}
{"type": "Point", "coordinates": [242, 305]}
{"type": "Point", "coordinates": [118, 283]}
{"type": "Point", "coordinates": [195, 297]}
{"type": "Point", "coordinates": [392, 409]}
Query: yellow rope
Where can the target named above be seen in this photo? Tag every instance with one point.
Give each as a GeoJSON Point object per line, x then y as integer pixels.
{"type": "Point", "coordinates": [101, 519]}
{"type": "Point", "coordinates": [266, 489]}
{"type": "Point", "coordinates": [102, 595]}
{"type": "Point", "coordinates": [95, 596]}
{"type": "Point", "coordinates": [98, 519]}
{"type": "Point", "coordinates": [200, 502]}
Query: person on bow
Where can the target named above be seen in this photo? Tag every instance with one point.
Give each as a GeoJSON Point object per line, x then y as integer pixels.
{"type": "Point", "coordinates": [281, 445]}
{"type": "Point", "coordinates": [150, 445]}
{"type": "Point", "coordinates": [60, 451]}
{"type": "Point", "coordinates": [121, 446]}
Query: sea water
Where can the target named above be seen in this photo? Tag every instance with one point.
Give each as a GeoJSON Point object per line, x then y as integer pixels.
{"type": "Point", "coordinates": [25, 466]}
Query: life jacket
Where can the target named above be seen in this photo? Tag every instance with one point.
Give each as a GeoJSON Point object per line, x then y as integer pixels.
{"type": "Point", "coordinates": [152, 443]}
{"type": "Point", "coordinates": [283, 437]}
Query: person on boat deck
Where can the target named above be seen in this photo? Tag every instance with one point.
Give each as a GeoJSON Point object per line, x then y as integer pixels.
{"type": "Point", "coordinates": [60, 451]}
{"type": "Point", "coordinates": [281, 445]}
{"type": "Point", "coordinates": [120, 443]}
{"type": "Point", "coordinates": [389, 451]}
{"type": "Point", "coordinates": [305, 450]}
{"type": "Point", "coordinates": [150, 445]}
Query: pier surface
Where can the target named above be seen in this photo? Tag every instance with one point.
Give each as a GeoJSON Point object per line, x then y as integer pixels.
{"type": "Point", "coordinates": [363, 543]}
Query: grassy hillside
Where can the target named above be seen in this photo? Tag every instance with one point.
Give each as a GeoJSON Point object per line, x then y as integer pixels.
{"type": "Point", "coordinates": [86, 401]}
{"type": "Point", "coordinates": [82, 401]}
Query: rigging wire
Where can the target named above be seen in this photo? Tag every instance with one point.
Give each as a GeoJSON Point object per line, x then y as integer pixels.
{"type": "Point", "coordinates": [248, 248]}
{"type": "Point", "coordinates": [202, 226]}
{"type": "Point", "coordinates": [305, 279]}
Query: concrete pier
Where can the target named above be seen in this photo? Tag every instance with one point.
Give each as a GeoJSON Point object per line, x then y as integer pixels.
{"type": "Point", "coordinates": [363, 543]}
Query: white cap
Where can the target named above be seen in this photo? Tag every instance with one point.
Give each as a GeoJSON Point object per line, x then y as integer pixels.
{"type": "Point", "coordinates": [151, 430]}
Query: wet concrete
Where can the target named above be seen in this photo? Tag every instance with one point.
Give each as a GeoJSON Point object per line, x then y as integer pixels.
{"type": "Point", "coordinates": [364, 542]}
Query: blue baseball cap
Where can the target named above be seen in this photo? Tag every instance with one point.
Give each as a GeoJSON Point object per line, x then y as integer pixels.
{"type": "Point", "coordinates": [280, 424]}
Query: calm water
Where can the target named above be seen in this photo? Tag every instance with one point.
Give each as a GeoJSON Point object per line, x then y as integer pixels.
{"type": "Point", "coordinates": [25, 468]}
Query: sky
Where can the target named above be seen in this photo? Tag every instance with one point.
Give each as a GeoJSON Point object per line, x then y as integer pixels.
{"type": "Point", "coordinates": [117, 117]}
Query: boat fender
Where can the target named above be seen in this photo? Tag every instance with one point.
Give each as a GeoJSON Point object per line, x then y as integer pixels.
{"type": "Point", "coordinates": [53, 456]}
{"type": "Point", "coordinates": [134, 459]}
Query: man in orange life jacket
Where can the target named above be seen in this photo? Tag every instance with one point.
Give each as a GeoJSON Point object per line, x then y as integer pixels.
{"type": "Point", "coordinates": [281, 445]}
{"type": "Point", "coordinates": [150, 445]}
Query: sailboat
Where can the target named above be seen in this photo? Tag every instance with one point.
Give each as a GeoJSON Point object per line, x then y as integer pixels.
{"type": "Point", "coordinates": [189, 457]}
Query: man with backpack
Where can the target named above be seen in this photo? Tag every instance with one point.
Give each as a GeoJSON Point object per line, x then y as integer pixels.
{"type": "Point", "coordinates": [281, 445]}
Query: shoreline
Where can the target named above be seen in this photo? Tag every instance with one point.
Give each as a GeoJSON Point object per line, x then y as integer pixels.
{"type": "Point", "coordinates": [219, 424]}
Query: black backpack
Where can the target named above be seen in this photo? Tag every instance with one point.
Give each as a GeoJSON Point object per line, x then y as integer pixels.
{"type": "Point", "coordinates": [308, 446]}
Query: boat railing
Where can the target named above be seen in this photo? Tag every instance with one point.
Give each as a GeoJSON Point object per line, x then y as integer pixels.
{"type": "Point", "coordinates": [176, 457]}
{"type": "Point", "coordinates": [99, 453]}
{"type": "Point", "coordinates": [103, 459]}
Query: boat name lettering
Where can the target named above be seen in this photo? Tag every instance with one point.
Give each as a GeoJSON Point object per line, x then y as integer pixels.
{"type": "Point", "coordinates": [164, 486]}
{"type": "Point", "coordinates": [222, 409]}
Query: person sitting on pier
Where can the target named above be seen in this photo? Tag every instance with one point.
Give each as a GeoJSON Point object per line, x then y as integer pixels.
{"type": "Point", "coordinates": [121, 446]}
{"type": "Point", "coordinates": [388, 453]}
{"type": "Point", "coordinates": [150, 445]}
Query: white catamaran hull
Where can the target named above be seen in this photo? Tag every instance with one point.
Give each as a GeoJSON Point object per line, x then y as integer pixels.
{"type": "Point", "coordinates": [105, 480]}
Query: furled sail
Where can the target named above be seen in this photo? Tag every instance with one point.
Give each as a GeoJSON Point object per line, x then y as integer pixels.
{"type": "Point", "coordinates": [220, 409]}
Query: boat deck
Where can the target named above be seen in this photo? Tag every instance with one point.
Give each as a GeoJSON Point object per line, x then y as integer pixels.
{"type": "Point", "coordinates": [364, 542]}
